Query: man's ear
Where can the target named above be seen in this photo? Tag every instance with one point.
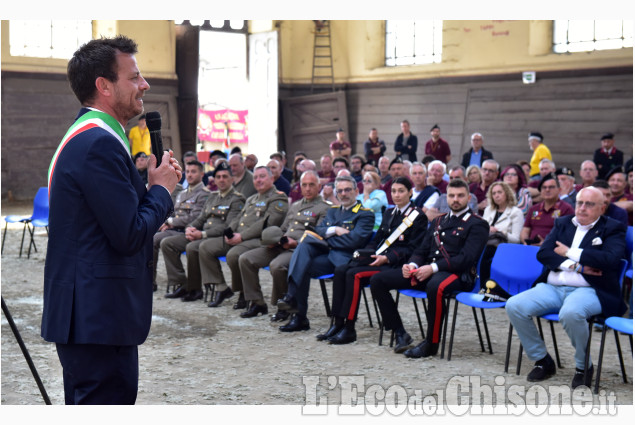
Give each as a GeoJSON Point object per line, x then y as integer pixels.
{"type": "Point", "coordinates": [104, 86]}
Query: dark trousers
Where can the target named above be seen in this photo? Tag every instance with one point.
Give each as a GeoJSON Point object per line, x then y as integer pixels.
{"type": "Point", "coordinates": [486, 264]}
{"type": "Point", "coordinates": [307, 261]}
{"type": "Point", "coordinates": [436, 286]}
{"type": "Point", "coordinates": [99, 374]}
{"type": "Point", "coordinates": [347, 288]}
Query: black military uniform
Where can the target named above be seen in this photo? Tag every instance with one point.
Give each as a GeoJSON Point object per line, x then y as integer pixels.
{"type": "Point", "coordinates": [454, 243]}
{"type": "Point", "coordinates": [347, 284]}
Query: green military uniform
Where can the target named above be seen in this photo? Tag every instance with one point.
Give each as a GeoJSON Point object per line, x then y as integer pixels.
{"type": "Point", "coordinates": [271, 207]}
{"type": "Point", "coordinates": [218, 212]}
{"type": "Point", "coordinates": [301, 214]}
{"type": "Point", "coordinates": [187, 205]}
{"type": "Point", "coordinates": [246, 184]}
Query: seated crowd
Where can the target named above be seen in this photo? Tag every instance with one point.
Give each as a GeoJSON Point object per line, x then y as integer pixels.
{"type": "Point", "coordinates": [396, 223]}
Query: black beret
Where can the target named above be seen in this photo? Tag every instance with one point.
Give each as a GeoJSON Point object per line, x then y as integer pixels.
{"type": "Point", "coordinates": [607, 136]}
{"type": "Point", "coordinates": [535, 135]}
{"type": "Point", "coordinates": [142, 117]}
{"type": "Point", "coordinates": [565, 171]}
{"type": "Point", "coordinates": [617, 169]}
{"type": "Point", "coordinates": [550, 176]}
{"type": "Point", "coordinates": [140, 155]}
{"type": "Point", "coordinates": [397, 160]}
{"type": "Point", "coordinates": [223, 166]}
{"type": "Point", "coordinates": [340, 130]}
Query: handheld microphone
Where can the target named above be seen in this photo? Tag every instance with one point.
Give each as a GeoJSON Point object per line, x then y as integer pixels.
{"type": "Point", "coordinates": [153, 121]}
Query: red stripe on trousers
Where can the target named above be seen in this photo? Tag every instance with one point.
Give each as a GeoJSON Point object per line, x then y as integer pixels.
{"type": "Point", "coordinates": [357, 290]}
{"type": "Point", "coordinates": [439, 304]}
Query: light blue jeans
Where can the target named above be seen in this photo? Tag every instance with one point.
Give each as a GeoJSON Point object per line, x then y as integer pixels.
{"type": "Point", "coordinates": [574, 305]}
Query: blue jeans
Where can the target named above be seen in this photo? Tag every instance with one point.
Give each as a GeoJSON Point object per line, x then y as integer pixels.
{"type": "Point", "coordinates": [574, 305]}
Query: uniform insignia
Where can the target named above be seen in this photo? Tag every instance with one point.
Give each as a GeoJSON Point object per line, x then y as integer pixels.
{"type": "Point", "coordinates": [466, 216]}
{"type": "Point", "coordinates": [261, 204]}
{"type": "Point", "coordinates": [257, 213]}
{"type": "Point", "coordinates": [459, 228]}
{"type": "Point", "coordinates": [556, 214]}
{"type": "Point", "coordinates": [356, 208]}
{"type": "Point", "coordinates": [401, 237]}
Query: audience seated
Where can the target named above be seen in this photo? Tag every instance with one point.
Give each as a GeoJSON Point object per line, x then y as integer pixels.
{"type": "Point", "coordinates": [617, 183]}
{"type": "Point", "coordinates": [282, 159]}
{"type": "Point", "coordinates": [441, 205]}
{"type": "Point", "coordinates": [303, 165]}
{"type": "Point", "coordinates": [489, 170]}
{"type": "Point", "coordinates": [610, 209]}
{"type": "Point", "coordinates": [436, 170]}
{"type": "Point", "coordinates": [423, 196]}
{"type": "Point", "coordinates": [474, 174]}
{"type": "Point", "coordinates": [514, 176]}
{"type": "Point", "coordinates": [384, 165]}
{"type": "Point", "coordinates": [211, 161]}
{"type": "Point", "coordinates": [251, 161]}
{"type": "Point", "coordinates": [546, 166]}
{"type": "Point", "coordinates": [279, 181]}
{"type": "Point", "coordinates": [588, 174]}
{"type": "Point", "coordinates": [357, 162]}
{"type": "Point", "coordinates": [373, 197]}
{"type": "Point", "coordinates": [566, 178]}
{"type": "Point", "coordinates": [243, 179]}
{"type": "Point", "coordinates": [326, 169]}
{"type": "Point", "coordinates": [541, 151]}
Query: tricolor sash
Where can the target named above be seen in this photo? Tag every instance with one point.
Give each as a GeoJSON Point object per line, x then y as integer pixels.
{"type": "Point", "coordinates": [89, 120]}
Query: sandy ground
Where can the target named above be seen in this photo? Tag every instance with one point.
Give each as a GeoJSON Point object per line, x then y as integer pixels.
{"type": "Point", "coordinates": [197, 355]}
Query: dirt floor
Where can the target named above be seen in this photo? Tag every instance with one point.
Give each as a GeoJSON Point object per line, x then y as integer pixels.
{"type": "Point", "coordinates": [197, 355]}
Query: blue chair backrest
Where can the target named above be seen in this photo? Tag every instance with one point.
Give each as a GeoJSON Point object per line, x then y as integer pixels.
{"type": "Point", "coordinates": [515, 267]}
{"type": "Point", "coordinates": [41, 204]}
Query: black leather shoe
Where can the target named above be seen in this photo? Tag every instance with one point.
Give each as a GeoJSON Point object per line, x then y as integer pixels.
{"type": "Point", "coordinates": [579, 379]}
{"type": "Point", "coordinates": [241, 303]}
{"type": "Point", "coordinates": [193, 296]}
{"type": "Point", "coordinates": [255, 310]}
{"type": "Point", "coordinates": [288, 303]}
{"type": "Point", "coordinates": [296, 324]}
{"type": "Point", "coordinates": [402, 343]}
{"type": "Point", "coordinates": [333, 330]}
{"type": "Point", "coordinates": [424, 349]}
{"type": "Point", "coordinates": [543, 369]}
{"type": "Point", "coordinates": [345, 336]}
{"type": "Point", "coordinates": [280, 316]}
{"type": "Point", "coordinates": [179, 292]}
{"type": "Point", "coordinates": [220, 297]}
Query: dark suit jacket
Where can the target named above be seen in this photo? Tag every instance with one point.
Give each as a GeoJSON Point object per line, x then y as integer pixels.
{"type": "Point", "coordinates": [605, 256]}
{"type": "Point", "coordinates": [463, 238]}
{"type": "Point", "coordinates": [401, 249]}
{"type": "Point", "coordinates": [465, 162]}
{"type": "Point", "coordinates": [360, 221]}
{"type": "Point", "coordinates": [98, 272]}
{"type": "Point", "coordinates": [403, 148]}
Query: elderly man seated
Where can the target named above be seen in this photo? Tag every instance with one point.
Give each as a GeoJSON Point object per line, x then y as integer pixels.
{"type": "Point", "coordinates": [580, 279]}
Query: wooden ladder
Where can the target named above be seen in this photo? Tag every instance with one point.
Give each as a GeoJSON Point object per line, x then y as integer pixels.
{"type": "Point", "coordinates": [322, 56]}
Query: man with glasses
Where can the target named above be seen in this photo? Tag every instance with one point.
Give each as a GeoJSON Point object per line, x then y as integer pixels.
{"type": "Point", "coordinates": [477, 153]}
{"type": "Point", "coordinates": [580, 278]}
{"type": "Point", "coordinates": [345, 228]}
{"type": "Point", "coordinates": [441, 205]}
{"type": "Point", "coordinates": [489, 170]}
{"type": "Point", "coordinates": [541, 216]}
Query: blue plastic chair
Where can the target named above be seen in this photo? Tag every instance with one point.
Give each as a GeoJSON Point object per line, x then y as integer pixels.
{"type": "Point", "coordinates": [39, 218]}
{"type": "Point", "coordinates": [514, 268]}
{"type": "Point", "coordinates": [618, 324]}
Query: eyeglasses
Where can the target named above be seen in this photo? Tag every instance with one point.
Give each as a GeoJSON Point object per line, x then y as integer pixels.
{"type": "Point", "coordinates": [345, 190]}
{"type": "Point", "coordinates": [488, 170]}
{"type": "Point", "coordinates": [585, 204]}
{"type": "Point", "coordinates": [367, 181]}
{"type": "Point", "coordinates": [511, 174]}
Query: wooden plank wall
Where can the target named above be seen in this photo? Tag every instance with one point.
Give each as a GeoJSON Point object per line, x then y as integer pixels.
{"type": "Point", "coordinates": [37, 109]}
{"type": "Point", "coordinates": [571, 109]}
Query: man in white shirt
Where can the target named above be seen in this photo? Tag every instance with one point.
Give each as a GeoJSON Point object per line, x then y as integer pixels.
{"type": "Point", "coordinates": [581, 256]}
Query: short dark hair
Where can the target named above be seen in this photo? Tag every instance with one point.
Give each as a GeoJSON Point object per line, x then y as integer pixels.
{"type": "Point", "coordinates": [601, 183]}
{"type": "Point", "coordinates": [361, 158]}
{"type": "Point", "coordinates": [190, 153]}
{"type": "Point", "coordinates": [456, 183]}
{"type": "Point", "coordinates": [340, 159]}
{"type": "Point", "coordinates": [97, 58]}
{"type": "Point", "coordinates": [196, 163]}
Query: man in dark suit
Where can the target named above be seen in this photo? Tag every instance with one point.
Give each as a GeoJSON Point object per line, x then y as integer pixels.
{"type": "Point", "coordinates": [98, 273]}
{"type": "Point", "coordinates": [477, 153]}
{"type": "Point", "coordinates": [581, 258]}
{"type": "Point", "coordinates": [345, 228]}
{"type": "Point", "coordinates": [444, 262]}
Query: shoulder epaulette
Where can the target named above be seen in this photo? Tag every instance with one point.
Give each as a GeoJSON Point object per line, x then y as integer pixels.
{"type": "Point", "coordinates": [356, 208]}
{"type": "Point", "coordinates": [335, 206]}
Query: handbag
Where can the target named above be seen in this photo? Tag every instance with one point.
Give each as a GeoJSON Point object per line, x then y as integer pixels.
{"type": "Point", "coordinates": [496, 238]}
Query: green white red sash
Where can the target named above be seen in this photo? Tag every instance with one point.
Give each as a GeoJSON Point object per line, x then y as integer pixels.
{"type": "Point", "coordinates": [89, 120]}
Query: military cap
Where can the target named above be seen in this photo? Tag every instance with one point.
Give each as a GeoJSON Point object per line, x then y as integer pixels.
{"type": "Point", "coordinates": [222, 166]}
{"type": "Point", "coordinates": [271, 235]}
{"type": "Point", "coordinates": [397, 160]}
{"type": "Point", "coordinates": [565, 171]}
{"type": "Point", "coordinates": [607, 136]}
{"type": "Point", "coordinates": [550, 176]}
{"type": "Point", "coordinates": [617, 169]}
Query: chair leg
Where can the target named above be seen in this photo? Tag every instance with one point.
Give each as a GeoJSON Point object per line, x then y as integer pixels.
{"type": "Point", "coordinates": [327, 305]}
{"type": "Point", "coordinates": [587, 352]}
{"type": "Point", "coordinates": [22, 243]}
{"type": "Point", "coordinates": [379, 321]}
{"type": "Point", "coordinates": [478, 329]}
{"type": "Point", "coordinates": [423, 335]}
{"type": "Point", "coordinates": [509, 347]}
{"type": "Point", "coordinates": [4, 235]}
{"type": "Point", "coordinates": [489, 342]}
{"type": "Point", "coordinates": [600, 357]}
{"type": "Point", "coordinates": [31, 242]}
{"type": "Point", "coordinates": [555, 344]}
{"type": "Point", "coordinates": [619, 354]}
{"type": "Point", "coordinates": [456, 307]}
{"type": "Point", "coordinates": [520, 358]}
{"type": "Point", "coordinates": [444, 325]}
{"type": "Point", "coordinates": [370, 319]}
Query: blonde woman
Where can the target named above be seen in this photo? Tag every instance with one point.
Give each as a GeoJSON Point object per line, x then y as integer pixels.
{"type": "Point", "coordinates": [473, 173]}
{"type": "Point", "coordinates": [505, 220]}
{"type": "Point", "coordinates": [373, 197]}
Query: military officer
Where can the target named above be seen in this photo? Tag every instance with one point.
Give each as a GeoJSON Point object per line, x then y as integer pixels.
{"type": "Point", "coordinates": [222, 206]}
{"type": "Point", "coordinates": [345, 228]}
{"type": "Point", "coordinates": [267, 207]}
{"type": "Point", "coordinates": [187, 206]}
{"type": "Point", "coordinates": [444, 262]}
{"type": "Point", "coordinates": [303, 214]}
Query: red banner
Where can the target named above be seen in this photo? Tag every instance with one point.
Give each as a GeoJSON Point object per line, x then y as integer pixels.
{"type": "Point", "coordinates": [223, 126]}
